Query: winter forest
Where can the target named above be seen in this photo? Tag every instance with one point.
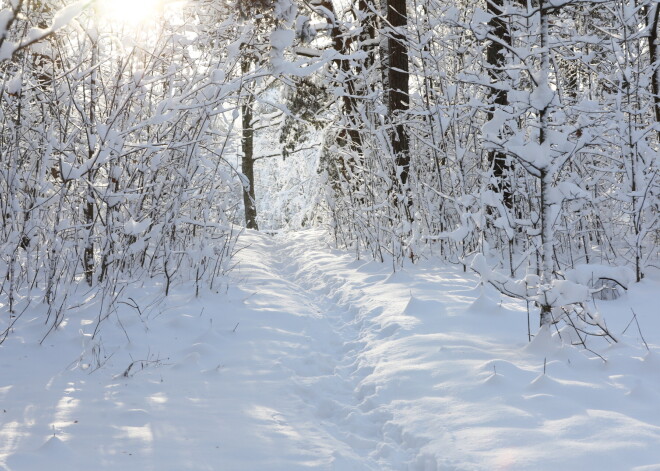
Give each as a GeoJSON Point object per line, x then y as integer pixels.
{"type": "Point", "coordinates": [154, 154]}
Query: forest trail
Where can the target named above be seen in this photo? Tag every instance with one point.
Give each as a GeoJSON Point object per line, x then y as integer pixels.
{"type": "Point", "coordinates": [311, 360]}
{"type": "Point", "coordinates": [328, 370]}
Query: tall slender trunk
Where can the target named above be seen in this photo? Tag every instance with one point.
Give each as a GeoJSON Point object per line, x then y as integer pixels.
{"type": "Point", "coordinates": [347, 78]}
{"type": "Point", "coordinates": [546, 176]}
{"type": "Point", "coordinates": [496, 58]}
{"type": "Point", "coordinates": [653, 23]}
{"type": "Point", "coordinates": [247, 143]}
{"type": "Point", "coordinates": [88, 208]}
{"type": "Point", "coordinates": [368, 24]}
{"type": "Point", "coordinates": [399, 93]}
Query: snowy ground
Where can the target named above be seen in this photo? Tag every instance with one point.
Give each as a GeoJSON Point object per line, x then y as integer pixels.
{"type": "Point", "coordinates": [311, 360]}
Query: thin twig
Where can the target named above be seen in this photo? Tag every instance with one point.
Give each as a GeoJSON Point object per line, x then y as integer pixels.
{"type": "Point", "coordinates": [640, 330]}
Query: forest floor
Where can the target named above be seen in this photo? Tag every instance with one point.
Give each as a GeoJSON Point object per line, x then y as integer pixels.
{"type": "Point", "coordinates": [312, 360]}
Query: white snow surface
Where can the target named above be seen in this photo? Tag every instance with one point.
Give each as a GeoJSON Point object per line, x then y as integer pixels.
{"type": "Point", "coordinates": [312, 360]}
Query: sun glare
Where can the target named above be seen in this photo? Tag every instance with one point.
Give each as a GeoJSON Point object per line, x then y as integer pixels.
{"type": "Point", "coordinates": [130, 12]}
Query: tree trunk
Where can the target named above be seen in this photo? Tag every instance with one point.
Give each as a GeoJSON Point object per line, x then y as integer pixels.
{"type": "Point", "coordinates": [88, 211]}
{"type": "Point", "coordinates": [247, 163]}
{"type": "Point", "coordinates": [546, 176]}
{"type": "Point", "coordinates": [653, 18]}
{"type": "Point", "coordinates": [495, 56]}
{"type": "Point", "coordinates": [346, 78]}
{"type": "Point", "coordinates": [399, 93]}
{"type": "Point", "coordinates": [369, 31]}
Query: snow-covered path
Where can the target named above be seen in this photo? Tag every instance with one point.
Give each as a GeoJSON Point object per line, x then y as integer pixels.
{"type": "Point", "coordinates": [327, 368]}
{"type": "Point", "coordinates": [312, 360]}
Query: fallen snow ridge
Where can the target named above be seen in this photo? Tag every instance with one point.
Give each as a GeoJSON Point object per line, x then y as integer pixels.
{"type": "Point", "coordinates": [314, 361]}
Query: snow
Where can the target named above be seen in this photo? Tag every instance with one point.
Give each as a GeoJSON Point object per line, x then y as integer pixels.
{"type": "Point", "coordinates": [587, 274]}
{"type": "Point", "coordinates": [542, 96]}
{"type": "Point", "coordinates": [280, 39]}
{"type": "Point", "coordinates": [310, 359]}
{"type": "Point", "coordinates": [15, 84]}
{"type": "Point", "coordinates": [64, 16]}
{"type": "Point", "coordinates": [480, 19]}
{"type": "Point", "coordinates": [132, 227]}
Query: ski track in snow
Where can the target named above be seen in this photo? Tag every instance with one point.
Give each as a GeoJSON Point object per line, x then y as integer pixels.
{"type": "Point", "coordinates": [312, 360]}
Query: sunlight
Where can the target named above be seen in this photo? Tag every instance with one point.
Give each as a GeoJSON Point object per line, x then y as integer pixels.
{"type": "Point", "coordinates": [141, 433]}
{"type": "Point", "coordinates": [130, 12]}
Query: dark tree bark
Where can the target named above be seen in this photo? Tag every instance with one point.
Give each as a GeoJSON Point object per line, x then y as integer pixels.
{"type": "Point", "coordinates": [351, 134]}
{"type": "Point", "coordinates": [368, 35]}
{"type": "Point", "coordinates": [247, 162]}
{"type": "Point", "coordinates": [399, 77]}
{"type": "Point", "coordinates": [88, 211]}
{"type": "Point", "coordinates": [653, 19]}
{"type": "Point", "coordinates": [496, 58]}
